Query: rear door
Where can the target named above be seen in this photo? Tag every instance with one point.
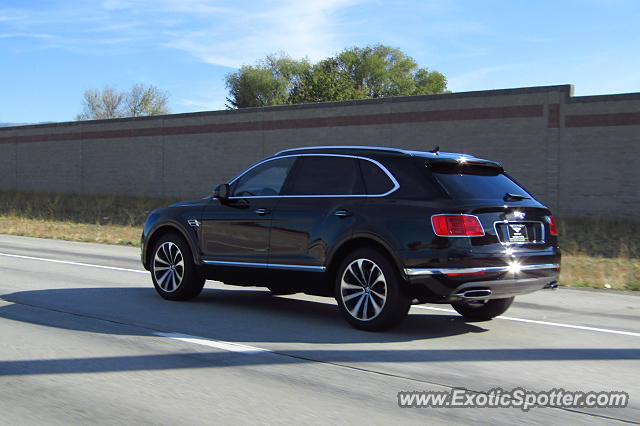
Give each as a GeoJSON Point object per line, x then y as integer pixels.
{"type": "Point", "coordinates": [318, 208]}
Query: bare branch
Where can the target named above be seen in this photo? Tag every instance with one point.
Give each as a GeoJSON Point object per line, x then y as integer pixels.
{"type": "Point", "coordinates": [107, 103]}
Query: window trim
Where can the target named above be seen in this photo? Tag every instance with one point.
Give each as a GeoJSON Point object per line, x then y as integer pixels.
{"type": "Point", "coordinates": [247, 171]}
{"type": "Point", "coordinates": [396, 185]}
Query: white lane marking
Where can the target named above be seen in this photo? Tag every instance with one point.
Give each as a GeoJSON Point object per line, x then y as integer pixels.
{"type": "Point", "coordinates": [73, 263]}
{"type": "Point", "coordinates": [219, 344]}
{"type": "Point", "coordinates": [434, 309]}
{"type": "Point", "coordinates": [553, 324]}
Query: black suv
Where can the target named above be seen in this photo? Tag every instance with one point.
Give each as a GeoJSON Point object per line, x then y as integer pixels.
{"type": "Point", "coordinates": [376, 228]}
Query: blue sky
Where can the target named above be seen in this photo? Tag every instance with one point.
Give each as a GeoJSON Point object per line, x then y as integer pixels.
{"type": "Point", "coordinates": [51, 51]}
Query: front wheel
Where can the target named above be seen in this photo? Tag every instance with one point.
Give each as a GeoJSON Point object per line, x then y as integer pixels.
{"type": "Point", "coordinates": [174, 274]}
{"type": "Point", "coordinates": [368, 291]}
{"type": "Point", "coordinates": [483, 310]}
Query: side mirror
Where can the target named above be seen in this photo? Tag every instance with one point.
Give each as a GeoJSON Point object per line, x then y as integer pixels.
{"type": "Point", "coordinates": [221, 192]}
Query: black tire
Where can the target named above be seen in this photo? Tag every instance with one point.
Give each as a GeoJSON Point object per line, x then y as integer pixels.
{"type": "Point", "coordinates": [173, 272]}
{"type": "Point", "coordinates": [366, 301]}
{"type": "Point", "coordinates": [483, 310]}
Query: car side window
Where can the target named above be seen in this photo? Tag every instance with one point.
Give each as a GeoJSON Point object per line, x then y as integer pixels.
{"type": "Point", "coordinates": [375, 179]}
{"type": "Point", "coordinates": [265, 179]}
{"type": "Point", "coordinates": [327, 175]}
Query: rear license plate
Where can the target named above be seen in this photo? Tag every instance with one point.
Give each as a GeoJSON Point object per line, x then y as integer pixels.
{"type": "Point", "coordinates": [518, 233]}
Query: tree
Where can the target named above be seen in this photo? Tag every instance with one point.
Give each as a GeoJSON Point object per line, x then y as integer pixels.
{"type": "Point", "coordinates": [355, 73]}
{"type": "Point", "coordinates": [98, 105]}
{"type": "Point", "coordinates": [143, 101]}
{"type": "Point", "coordinates": [270, 82]}
{"type": "Point", "coordinates": [326, 81]}
{"type": "Point", "coordinates": [382, 71]}
{"type": "Point", "coordinates": [139, 101]}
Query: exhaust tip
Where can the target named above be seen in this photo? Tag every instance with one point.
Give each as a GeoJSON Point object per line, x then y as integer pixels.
{"type": "Point", "coordinates": [481, 293]}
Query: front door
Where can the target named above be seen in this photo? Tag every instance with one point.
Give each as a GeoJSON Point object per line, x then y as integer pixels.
{"type": "Point", "coordinates": [236, 230]}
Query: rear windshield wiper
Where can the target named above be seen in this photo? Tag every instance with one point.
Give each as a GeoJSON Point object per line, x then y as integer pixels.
{"type": "Point", "coordinates": [515, 197]}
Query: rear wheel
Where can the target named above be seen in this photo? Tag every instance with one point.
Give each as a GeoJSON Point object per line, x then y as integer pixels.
{"type": "Point", "coordinates": [368, 291]}
{"type": "Point", "coordinates": [483, 310]}
{"type": "Point", "coordinates": [174, 274]}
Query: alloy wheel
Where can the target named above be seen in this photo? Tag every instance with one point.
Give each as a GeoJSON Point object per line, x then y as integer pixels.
{"type": "Point", "coordinates": [363, 289]}
{"type": "Point", "coordinates": [168, 267]}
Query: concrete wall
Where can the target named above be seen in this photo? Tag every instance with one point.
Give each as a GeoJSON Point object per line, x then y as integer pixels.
{"type": "Point", "coordinates": [576, 154]}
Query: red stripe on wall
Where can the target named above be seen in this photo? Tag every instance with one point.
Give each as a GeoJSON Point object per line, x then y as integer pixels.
{"type": "Point", "coordinates": [593, 120]}
{"type": "Point", "coordinates": [516, 111]}
{"type": "Point", "coordinates": [553, 120]}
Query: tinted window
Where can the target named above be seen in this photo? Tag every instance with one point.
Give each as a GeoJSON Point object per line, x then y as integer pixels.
{"type": "Point", "coordinates": [319, 175]}
{"type": "Point", "coordinates": [375, 179]}
{"type": "Point", "coordinates": [473, 182]}
{"type": "Point", "coordinates": [265, 179]}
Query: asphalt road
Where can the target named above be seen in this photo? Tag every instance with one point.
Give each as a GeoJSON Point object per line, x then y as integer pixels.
{"type": "Point", "coordinates": [86, 340]}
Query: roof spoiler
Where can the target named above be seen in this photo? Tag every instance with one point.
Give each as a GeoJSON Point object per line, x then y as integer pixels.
{"type": "Point", "coordinates": [464, 161]}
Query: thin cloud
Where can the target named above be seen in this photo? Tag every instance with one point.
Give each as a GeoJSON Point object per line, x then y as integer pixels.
{"type": "Point", "coordinates": [302, 29]}
{"type": "Point", "coordinates": [472, 80]}
{"type": "Point", "coordinates": [11, 15]}
{"type": "Point", "coordinates": [220, 35]}
{"type": "Point", "coordinates": [27, 35]}
{"type": "Point", "coordinates": [189, 7]}
{"type": "Point", "coordinates": [202, 105]}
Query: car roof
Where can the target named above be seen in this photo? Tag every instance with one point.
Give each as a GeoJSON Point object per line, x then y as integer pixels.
{"type": "Point", "coordinates": [363, 149]}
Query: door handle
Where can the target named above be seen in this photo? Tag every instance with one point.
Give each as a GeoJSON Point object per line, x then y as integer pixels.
{"type": "Point", "coordinates": [343, 213]}
{"type": "Point", "coordinates": [262, 211]}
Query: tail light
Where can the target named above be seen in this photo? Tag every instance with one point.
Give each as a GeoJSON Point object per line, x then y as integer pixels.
{"type": "Point", "coordinates": [457, 225]}
{"type": "Point", "coordinates": [553, 228]}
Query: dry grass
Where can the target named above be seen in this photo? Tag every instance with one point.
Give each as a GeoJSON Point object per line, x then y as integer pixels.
{"type": "Point", "coordinates": [600, 253]}
{"type": "Point", "coordinates": [596, 253]}
{"type": "Point", "coordinates": [599, 237]}
{"type": "Point", "coordinates": [89, 209]}
{"type": "Point", "coordinates": [600, 272]}
{"type": "Point", "coordinates": [71, 231]}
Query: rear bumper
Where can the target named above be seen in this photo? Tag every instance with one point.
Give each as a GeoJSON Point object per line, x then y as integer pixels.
{"type": "Point", "coordinates": [514, 268]}
{"type": "Point", "coordinates": [450, 285]}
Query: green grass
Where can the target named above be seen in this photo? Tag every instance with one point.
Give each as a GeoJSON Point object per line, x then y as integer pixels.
{"type": "Point", "coordinates": [596, 252]}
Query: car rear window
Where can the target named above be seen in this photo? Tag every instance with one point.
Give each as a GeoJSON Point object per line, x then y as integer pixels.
{"type": "Point", "coordinates": [375, 179]}
{"type": "Point", "coordinates": [475, 182]}
{"type": "Point", "coordinates": [326, 175]}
